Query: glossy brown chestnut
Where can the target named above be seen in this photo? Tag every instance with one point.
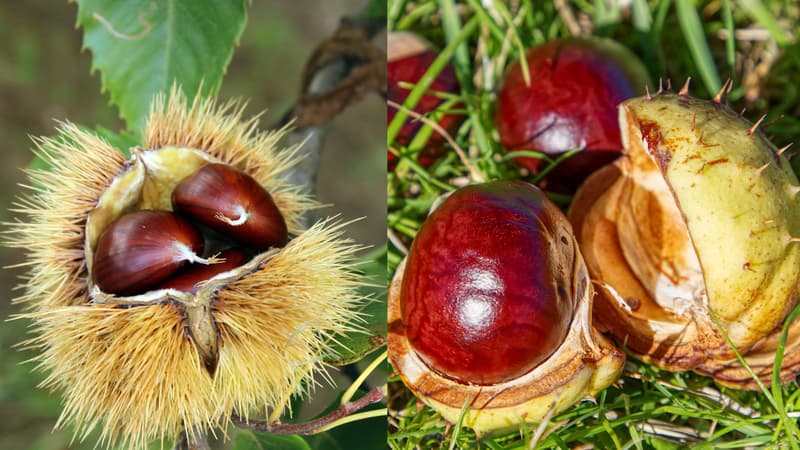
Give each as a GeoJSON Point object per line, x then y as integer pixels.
{"type": "Point", "coordinates": [232, 203]}
{"type": "Point", "coordinates": [186, 279]}
{"type": "Point", "coordinates": [483, 299]}
{"type": "Point", "coordinates": [143, 248]}
{"type": "Point", "coordinates": [570, 103]}
{"type": "Point", "coordinates": [408, 58]}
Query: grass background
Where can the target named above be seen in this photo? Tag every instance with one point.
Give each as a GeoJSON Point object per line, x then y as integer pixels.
{"type": "Point", "coordinates": [753, 42]}
{"type": "Point", "coordinates": [44, 77]}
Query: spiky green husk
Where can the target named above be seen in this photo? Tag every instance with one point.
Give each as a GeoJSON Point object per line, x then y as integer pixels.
{"type": "Point", "coordinates": [131, 372]}
{"type": "Point", "coordinates": [134, 371]}
{"type": "Point", "coordinates": [277, 323]}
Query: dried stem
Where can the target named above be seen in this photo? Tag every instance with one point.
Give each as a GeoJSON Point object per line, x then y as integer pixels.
{"type": "Point", "coordinates": [338, 73]}
{"type": "Point", "coordinates": [314, 426]}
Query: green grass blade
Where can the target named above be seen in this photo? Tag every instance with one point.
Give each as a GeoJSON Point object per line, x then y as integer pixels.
{"type": "Point", "coordinates": [730, 41]}
{"type": "Point", "coordinates": [693, 32]}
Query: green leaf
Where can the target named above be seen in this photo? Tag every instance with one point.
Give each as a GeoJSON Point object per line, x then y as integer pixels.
{"type": "Point", "coordinates": [249, 440]}
{"type": "Point", "coordinates": [123, 141]}
{"type": "Point", "coordinates": [354, 346]}
{"type": "Point", "coordinates": [142, 47]}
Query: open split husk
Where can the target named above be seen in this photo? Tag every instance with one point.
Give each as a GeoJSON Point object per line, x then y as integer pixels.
{"type": "Point", "coordinates": [693, 228]}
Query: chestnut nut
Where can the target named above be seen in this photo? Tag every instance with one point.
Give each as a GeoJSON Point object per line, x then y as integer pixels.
{"type": "Point", "coordinates": [408, 58]}
{"type": "Point", "coordinates": [491, 309]}
{"type": "Point", "coordinates": [186, 279]}
{"type": "Point", "coordinates": [570, 103]}
{"type": "Point", "coordinates": [232, 203]}
{"type": "Point", "coordinates": [143, 248]}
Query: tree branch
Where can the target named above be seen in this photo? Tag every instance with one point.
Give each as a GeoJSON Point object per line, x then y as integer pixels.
{"type": "Point", "coordinates": [313, 426]}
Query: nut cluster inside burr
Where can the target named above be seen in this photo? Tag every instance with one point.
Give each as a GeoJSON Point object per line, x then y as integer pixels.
{"type": "Point", "coordinates": [216, 219]}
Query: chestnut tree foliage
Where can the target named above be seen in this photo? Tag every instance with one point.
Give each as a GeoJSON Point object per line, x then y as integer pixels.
{"type": "Point", "coordinates": [142, 47]}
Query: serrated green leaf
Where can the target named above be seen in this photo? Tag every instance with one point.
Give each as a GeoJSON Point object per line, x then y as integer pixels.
{"type": "Point", "coordinates": [354, 346]}
{"type": "Point", "coordinates": [142, 47]}
{"type": "Point", "coordinates": [249, 440]}
{"type": "Point", "coordinates": [123, 141]}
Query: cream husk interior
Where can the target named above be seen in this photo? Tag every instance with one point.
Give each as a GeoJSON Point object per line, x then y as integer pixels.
{"type": "Point", "coordinates": [736, 199]}
{"type": "Point", "coordinates": [147, 183]}
{"type": "Point", "coordinates": [657, 246]}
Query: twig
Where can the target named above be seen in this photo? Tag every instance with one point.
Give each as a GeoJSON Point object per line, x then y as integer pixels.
{"type": "Point", "coordinates": [338, 73]}
{"type": "Point", "coordinates": [314, 426]}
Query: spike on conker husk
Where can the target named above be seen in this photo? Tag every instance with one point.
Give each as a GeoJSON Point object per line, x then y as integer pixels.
{"type": "Point", "coordinates": [491, 309]}
{"type": "Point", "coordinates": [232, 203]}
{"type": "Point", "coordinates": [142, 249]}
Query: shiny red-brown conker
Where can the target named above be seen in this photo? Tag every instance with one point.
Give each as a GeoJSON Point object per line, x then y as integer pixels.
{"type": "Point", "coordinates": [479, 299]}
{"type": "Point", "coordinates": [141, 249]}
{"type": "Point", "coordinates": [570, 103]}
{"type": "Point", "coordinates": [409, 67]}
{"type": "Point", "coordinates": [232, 203]}
{"type": "Point", "coordinates": [186, 279]}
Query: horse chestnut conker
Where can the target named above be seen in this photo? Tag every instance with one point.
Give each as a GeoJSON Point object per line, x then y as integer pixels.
{"type": "Point", "coordinates": [142, 249]}
{"type": "Point", "coordinates": [570, 103]}
{"type": "Point", "coordinates": [232, 203]}
{"type": "Point", "coordinates": [408, 58]}
{"type": "Point", "coordinates": [492, 307]}
{"type": "Point", "coordinates": [485, 266]}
